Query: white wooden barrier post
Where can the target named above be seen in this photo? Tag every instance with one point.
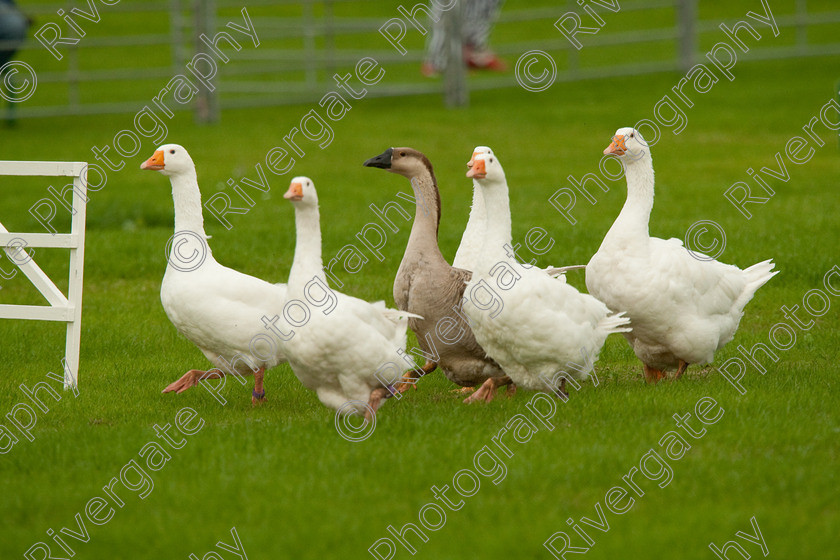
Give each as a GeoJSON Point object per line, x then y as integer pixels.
{"type": "Point", "coordinates": [67, 309]}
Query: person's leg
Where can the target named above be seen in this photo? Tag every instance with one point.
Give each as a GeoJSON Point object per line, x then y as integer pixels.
{"type": "Point", "coordinates": [479, 18]}
{"type": "Point", "coordinates": [435, 43]}
{"type": "Point", "coordinates": [13, 27]}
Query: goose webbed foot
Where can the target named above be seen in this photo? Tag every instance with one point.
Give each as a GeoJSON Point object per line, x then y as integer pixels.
{"type": "Point", "coordinates": [191, 379]}
{"type": "Point", "coordinates": [487, 391]}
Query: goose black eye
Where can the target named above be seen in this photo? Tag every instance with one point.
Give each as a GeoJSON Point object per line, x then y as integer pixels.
{"type": "Point", "coordinates": [632, 134]}
{"type": "Point", "coordinates": [402, 154]}
{"type": "Point", "coordinates": [171, 151]}
{"type": "Point", "coordinates": [491, 160]}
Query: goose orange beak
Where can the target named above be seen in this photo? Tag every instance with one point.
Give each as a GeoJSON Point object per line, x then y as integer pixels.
{"type": "Point", "coordinates": [154, 163]}
{"type": "Point", "coordinates": [617, 147]}
{"type": "Point", "coordinates": [295, 192]}
{"type": "Point", "coordinates": [478, 169]}
{"type": "Point", "coordinates": [472, 159]}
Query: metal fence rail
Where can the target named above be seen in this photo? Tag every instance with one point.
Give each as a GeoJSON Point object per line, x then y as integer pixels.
{"type": "Point", "coordinates": [137, 47]}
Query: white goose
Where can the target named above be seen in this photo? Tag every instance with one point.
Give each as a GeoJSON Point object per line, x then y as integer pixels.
{"type": "Point", "coordinates": [230, 316]}
{"type": "Point", "coordinates": [348, 351]}
{"type": "Point", "coordinates": [534, 325]}
{"type": "Point", "coordinates": [682, 309]}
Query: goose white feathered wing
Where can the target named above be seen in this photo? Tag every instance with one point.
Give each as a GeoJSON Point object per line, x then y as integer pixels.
{"type": "Point", "coordinates": [681, 307]}
{"type": "Point", "coordinates": [340, 355]}
{"type": "Point", "coordinates": [546, 326]}
{"type": "Point", "coordinates": [220, 310]}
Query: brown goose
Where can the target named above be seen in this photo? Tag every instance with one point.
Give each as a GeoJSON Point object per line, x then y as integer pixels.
{"type": "Point", "coordinates": [427, 285]}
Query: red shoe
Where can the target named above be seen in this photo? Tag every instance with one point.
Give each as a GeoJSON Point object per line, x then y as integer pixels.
{"type": "Point", "coordinates": [483, 60]}
{"type": "Point", "coordinates": [428, 69]}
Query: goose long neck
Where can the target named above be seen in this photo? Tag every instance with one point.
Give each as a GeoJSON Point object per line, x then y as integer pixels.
{"type": "Point", "coordinates": [187, 199]}
{"type": "Point", "coordinates": [307, 263]}
{"type": "Point", "coordinates": [475, 224]}
{"type": "Point", "coordinates": [424, 231]}
{"type": "Point", "coordinates": [497, 232]}
{"type": "Point", "coordinates": [473, 237]}
{"type": "Point", "coordinates": [635, 215]}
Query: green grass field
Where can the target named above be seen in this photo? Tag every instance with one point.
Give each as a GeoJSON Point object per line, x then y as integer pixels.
{"type": "Point", "coordinates": [283, 476]}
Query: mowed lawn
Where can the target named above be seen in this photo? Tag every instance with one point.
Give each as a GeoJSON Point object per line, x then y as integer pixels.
{"type": "Point", "coordinates": [283, 476]}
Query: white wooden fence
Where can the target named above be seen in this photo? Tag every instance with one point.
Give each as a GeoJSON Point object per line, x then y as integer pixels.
{"type": "Point", "coordinates": [62, 308]}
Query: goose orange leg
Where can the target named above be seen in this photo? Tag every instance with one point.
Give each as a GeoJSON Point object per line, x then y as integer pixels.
{"type": "Point", "coordinates": [376, 397]}
{"type": "Point", "coordinates": [653, 375]}
{"type": "Point", "coordinates": [258, 395]}
{"type": "Point", "coordinates": [191, 379]}
{"type": "Point", "coordinates": [682, 368]}
{"type": "Point", "coordinates": [409, 380]}
{"type": "Point", "coordinates": [561, 392]}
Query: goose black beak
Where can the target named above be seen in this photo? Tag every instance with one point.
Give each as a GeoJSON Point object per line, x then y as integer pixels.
{"type": "Point", "coordinates": [382, 161]}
